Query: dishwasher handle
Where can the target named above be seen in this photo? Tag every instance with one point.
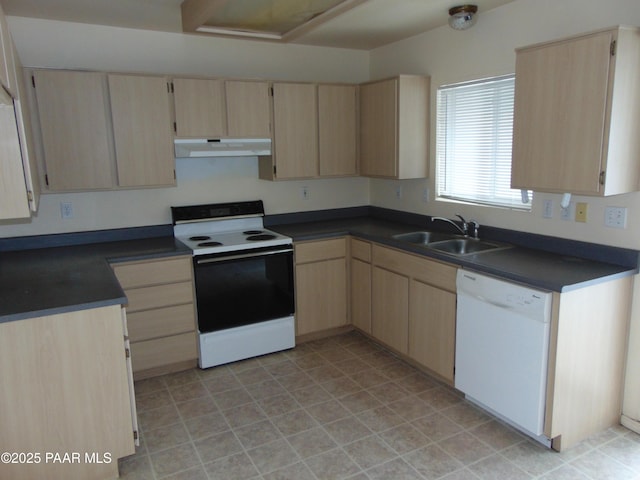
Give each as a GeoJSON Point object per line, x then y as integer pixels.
{"type": "Point", "coordinates": [495, 303]}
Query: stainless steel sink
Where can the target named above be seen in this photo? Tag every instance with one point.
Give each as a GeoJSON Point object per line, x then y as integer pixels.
{"type": "Point", "coordinates": [464, 246]}
{"type": "Point", "coordinates": [425, 237]}
{"type": "Point", "coordinates": [449, 243]}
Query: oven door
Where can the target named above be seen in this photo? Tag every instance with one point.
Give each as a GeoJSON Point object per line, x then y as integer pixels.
{"type": "Point", "coordinates": [244, 287]}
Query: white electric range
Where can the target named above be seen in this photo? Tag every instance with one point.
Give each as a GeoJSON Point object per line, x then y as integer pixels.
{"type": "Point", "coordinates": [243, 280]}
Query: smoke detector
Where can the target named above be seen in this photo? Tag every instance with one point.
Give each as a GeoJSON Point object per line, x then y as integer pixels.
{"type": "Point", "coordinates": [463, 16]}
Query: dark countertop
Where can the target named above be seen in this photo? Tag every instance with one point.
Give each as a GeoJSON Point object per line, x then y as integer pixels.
{"type": "Point", "coordinates": [48, 281]}
{"type": "Point", "coordinates": [60, 273]}
{"type": "Point", "coordinates": [530, 266]}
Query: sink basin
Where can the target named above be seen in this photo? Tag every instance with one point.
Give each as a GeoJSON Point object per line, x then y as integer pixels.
{"type": "Point", "coordinates": [464, 246]}
{"type": "Point", "coordinates": [424, 238]}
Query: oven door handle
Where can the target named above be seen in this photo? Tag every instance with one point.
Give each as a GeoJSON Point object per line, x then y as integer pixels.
{"type": "Point", "coordinates": [241, 256]}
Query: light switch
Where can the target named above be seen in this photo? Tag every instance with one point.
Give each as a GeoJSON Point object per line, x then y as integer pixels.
{"type": "Point", "coordinates": [66, 210]}
{"type": "Point", "coordinates": [547, 209]}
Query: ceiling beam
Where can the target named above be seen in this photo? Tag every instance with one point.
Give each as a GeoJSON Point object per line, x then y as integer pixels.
{"type": "Point", "coordinates": [196, 14]}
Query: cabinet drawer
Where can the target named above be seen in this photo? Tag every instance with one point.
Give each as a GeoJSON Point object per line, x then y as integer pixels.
{"type": "Point", "coordinates": [320, 250]}
{"type": "Point", "coordinates": [158, 296]}
{"type": "Point", "coordinates": [140, 274]}
{"type": "Point", "coordinates": [161, 322]}
{"type": "Point", "coordinates": [432, 272]}
{"type": "Point", "coordinates": [361, 250]}
{"type": "Point", "coordinates": [163, 351]}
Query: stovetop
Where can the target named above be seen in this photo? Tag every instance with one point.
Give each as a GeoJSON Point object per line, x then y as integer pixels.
{"type": "Point", "coordinates": [203, 243]}
{"type": "Point", "coordinates": [218, 228]}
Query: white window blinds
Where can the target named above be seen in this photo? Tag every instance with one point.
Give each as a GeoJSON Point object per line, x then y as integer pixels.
{"type": "Point", "coordinates": [474, 130]}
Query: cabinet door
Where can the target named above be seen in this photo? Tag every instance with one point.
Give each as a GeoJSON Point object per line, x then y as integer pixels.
{"type": "Point", "coordinates": [132, 393]}
{"type": "Point", "coordinates": [142, 130]}
{"type": "Point", "coordinates": [78, 397]}
{"type": "Point", "coordinates": [560, 112]}
{"type": "Point", "coordinates": [25, 132]}
{"type": "Point", "coordinates": [413, 126]}
{"type": "Point", "coordinates": [337, 129]}
{"type": "Point", "coordinates": [432, 328]}
{"type": "Point", "coordinates": [14, 202]}
{"type": "Point", "coordinates": [248, 109]}
{"type": "Point", "coordinates": [378, 129]}
{"type": "Point", "coordinates": [361, 294]}
{"type": "Point", "coordinates": [295, 112]}
{"type": "Point", "coordinates": [75, 128]}
{"type": "Point", "coordinates": [200, 108]}
{"type": "Point", "coordinates": [321, 295]}
{"type": "Point", "coordinates": [161, 353]}
{"type": "Point", "coordinates": [7, 66]}
{"type": "Point", "coordinates": [390, 308]}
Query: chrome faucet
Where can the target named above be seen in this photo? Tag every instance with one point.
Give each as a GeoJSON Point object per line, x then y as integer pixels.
{"type": "Point", "coordinates": [464, 230]}
{"type": "Point", "coordinates": [476, 227]}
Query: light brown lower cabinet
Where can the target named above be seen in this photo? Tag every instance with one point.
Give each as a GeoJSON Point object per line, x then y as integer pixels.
{"type": "Point", "coordinates": [413, 308]}
{"type": "Point", "coordinates": [432, 327]}
{"type": "Point", "coordinates": [390, 307]}
{"type": "Point", "coordinates": [66, 390]}
{"type": "Point", "coordinates": [360, 284]}
{"type": "Point", "coordinates": [161, 314]}
{"type": "Point", "coordinates": [321, 285]}
{"type": "Point", "coordinates": [587, 352]}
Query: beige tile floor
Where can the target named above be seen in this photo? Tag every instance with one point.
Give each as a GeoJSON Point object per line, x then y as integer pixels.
{"type": "Point", "coordinates": [343, 407]}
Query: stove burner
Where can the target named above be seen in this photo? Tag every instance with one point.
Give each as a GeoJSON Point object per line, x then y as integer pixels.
{"type": "Point", "coordinates": [199, 238]}
{"type": "Point", "coordinates": [209, 244]}
{"type": "Point", "coordinates": [252, 232]}
{"type": "Point", "coordinates": [264, 236]}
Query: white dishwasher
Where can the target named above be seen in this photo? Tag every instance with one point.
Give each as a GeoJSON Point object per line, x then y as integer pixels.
{"type": "Point", "coordinates": [502, 345]}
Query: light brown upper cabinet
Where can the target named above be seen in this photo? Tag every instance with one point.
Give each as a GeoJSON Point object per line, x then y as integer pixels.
{"type": "Point", "coordinates": [200, 108]}
{"type": "Point", "coordinates": [14, 202]}
{"type": "Point", "coordinates": [100, 131]}
{"type": "Point", "coordinates": [141, 111]}
{"type": "Point", "coordinates": [576, 114]}
{"type": "Point", "coordinates": [7, 65]}
{"type": "Point", "coordinates": [73, 109]}
{"type": "Point", "coordinates": [315, 132]}
{"type": "Point", "coordinates": [295, 137]}
{"type": "Point", "coordinates": [394, 127]}
{"type": "Point", "coordinates": [248, 109]}
{"type": "Point", "coordinates": [25, 134]}
{"type": "Point", "coordinates": [338, 130]}
{"type": "Point", "coordinates": [18, 194]}
{"type": "Point", "coordinates": [216, 108]}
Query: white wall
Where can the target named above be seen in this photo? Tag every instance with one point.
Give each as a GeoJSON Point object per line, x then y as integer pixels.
{"type": "Point", "coordinates": [43, 43]}
{"type": "Point", "coordinates": [486, 50]}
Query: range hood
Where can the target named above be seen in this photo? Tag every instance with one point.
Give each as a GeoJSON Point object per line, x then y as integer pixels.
{"type": "Point", "coordinates": [225, 147]}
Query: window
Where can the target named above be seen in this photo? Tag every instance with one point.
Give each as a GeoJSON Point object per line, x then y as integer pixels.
{"type": "Point", "coordinates": [475, 125]}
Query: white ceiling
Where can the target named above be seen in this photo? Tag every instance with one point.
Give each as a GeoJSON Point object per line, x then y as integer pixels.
{"type": "Point", "coordinates": [367, 26]}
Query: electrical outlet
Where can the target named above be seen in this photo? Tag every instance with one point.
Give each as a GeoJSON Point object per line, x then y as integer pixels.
{"type": "Point", "coordinates": [66, 210]}
{"type": "Point", "coordinates": [615, 217]}
{"type": "Point", "coordinates": [547, 209]}
{"type": "Point", "coordinates": [304, 192]}
{"type": "Point", "coordinates": [425, 194]}
{"type": "Point", "coordinates": [581, 212]}
{"type": "Point", "coordinates": [399, 192]}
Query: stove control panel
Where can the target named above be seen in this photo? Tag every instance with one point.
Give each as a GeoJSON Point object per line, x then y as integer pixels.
{"type": "Point", "coordinates": [195, 213]}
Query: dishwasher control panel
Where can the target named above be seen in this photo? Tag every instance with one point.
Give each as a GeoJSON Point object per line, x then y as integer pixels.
{"type": "Point", "coordinates": [504, 294]}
